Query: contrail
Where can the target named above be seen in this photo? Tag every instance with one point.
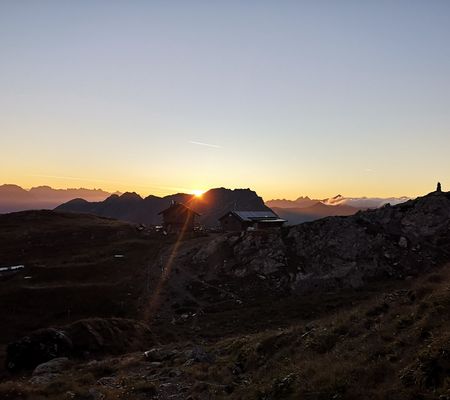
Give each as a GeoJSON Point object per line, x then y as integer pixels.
{"type": "Point", "coordinates": [205, 144]}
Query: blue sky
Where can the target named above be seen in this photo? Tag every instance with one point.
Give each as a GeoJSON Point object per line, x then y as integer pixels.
{"type": "Point", "coordinates": [314, 97]}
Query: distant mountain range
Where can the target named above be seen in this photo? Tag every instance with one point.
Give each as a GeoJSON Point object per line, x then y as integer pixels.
{"type": "Point", "coordinates": [364, 202]}
{"type": "Point", "coordinates": [305, 209]}
{"type": "Point", "coordinates": [131, 207]}
{"type": "Point", "coordinates": [14, 198]}
{"type": "Point", "coordinates": [358, 202]}
{"type": "Point", "coordinates": [212, 204]}
{"type": "Point", "coordinates": [319, 210]}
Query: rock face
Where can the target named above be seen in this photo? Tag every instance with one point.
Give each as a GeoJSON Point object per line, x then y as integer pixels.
{"type": "Point", "coordinates": [245, 254]}
{"type": "Point", "coordinates": [339, 252]}
{"type": "Point", "coordinates": [131, 207]}
{"type": "Point", "coordinates": [81, 338]}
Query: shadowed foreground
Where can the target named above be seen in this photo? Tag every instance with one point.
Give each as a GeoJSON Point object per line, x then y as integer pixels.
{"type": "Point", "coordinates": [229, 315]}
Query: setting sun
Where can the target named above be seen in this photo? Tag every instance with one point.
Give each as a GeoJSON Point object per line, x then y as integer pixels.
{"type": "Point", "coordinates": [198, 192]}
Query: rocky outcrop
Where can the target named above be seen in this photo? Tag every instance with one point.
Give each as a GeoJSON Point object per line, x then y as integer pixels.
{"type": "Point", "coordinates": [393, 241]}
{"type": "Point", "coordinates": [244, 254]}
{"type": "Point", "coordinates": [80, 339]}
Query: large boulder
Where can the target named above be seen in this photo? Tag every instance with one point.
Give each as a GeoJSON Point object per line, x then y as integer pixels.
{"type": "Point", "coordinates": [49, 371]}
{"type": "Point", "coordinates": [37, 348]}
{"type": "Point", "coordinates": [79, 339]}
{"type": "Point", "coordinates": [54, 366]}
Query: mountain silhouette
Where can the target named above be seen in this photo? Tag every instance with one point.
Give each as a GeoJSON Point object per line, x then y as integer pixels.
{"type": "Point", "coordinates": [15, 198]}
{"type": "Point", "coordinates": [133, 208]}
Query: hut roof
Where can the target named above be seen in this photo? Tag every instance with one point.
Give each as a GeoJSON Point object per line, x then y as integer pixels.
{"type": "Point", "coordinates": [254, 216]}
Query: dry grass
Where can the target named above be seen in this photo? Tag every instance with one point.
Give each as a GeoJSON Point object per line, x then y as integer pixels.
{"type": "Point", "coordinates": [388, 341]}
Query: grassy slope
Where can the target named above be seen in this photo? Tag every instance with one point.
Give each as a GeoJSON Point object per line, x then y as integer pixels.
{"type": "Point", "coordinates": [392, 345]}
{"type": "Point", "coordinates": [74, 274]}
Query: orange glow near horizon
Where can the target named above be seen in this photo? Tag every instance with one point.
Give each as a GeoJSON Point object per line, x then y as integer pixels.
{"type": "Point", "coordinates": [370, 185]}
{"type": "Point", "coordinates": [198, 192]}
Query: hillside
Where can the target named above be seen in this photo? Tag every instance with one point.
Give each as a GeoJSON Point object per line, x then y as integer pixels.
{"type": "Point", "coordinates": [131, 207]}
{"type": "Point", "coordinates": [345, 308]}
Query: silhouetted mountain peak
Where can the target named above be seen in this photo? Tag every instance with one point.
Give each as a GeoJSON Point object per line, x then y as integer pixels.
{"type": "Point", "coordinates": [77, 201]}
{"type": "Point", "coordinates": [113, 197]}
{"type": "Point", "coordinates": [130, 196]}
{"type": "Point", "coordinates": [42, 187]}
{"type": "Point", "coordinates": [211, 205]}
{"type": "Point", "coordinates": [11, 187]}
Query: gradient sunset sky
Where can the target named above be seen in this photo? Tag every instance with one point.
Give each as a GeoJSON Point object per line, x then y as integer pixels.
{"type": "Point", "coordinates": [286, 97]}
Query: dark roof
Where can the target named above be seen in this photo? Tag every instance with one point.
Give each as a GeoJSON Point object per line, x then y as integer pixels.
{"type": "Point", "coordinates": [254, 216]}
{"type": "Point", "coordinates": [178, 205]}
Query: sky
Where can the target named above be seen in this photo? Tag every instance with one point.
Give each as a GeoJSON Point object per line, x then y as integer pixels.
{"type": "Point", "coordinates": [288, 98]}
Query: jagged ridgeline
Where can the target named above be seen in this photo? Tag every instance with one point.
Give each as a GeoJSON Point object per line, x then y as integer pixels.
{"type": "Point", "coordinates": [131, 207]}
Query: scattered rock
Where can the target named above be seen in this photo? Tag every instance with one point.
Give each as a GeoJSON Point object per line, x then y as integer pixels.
{"type": "Point", "coordinates": [108, 381]}
{"type": "Point", "coordinates": [403, 242]}
{"type": "Point", "coordinates": [158, 354]}
{"type": "Point", "coordinates": [95, 394]}
{"type": "Point", "coordinates": [199, 354]}
{"type": "Point", "coordinates": [44, 379]}
{"type": "Point", "coordinates": [55, 366]}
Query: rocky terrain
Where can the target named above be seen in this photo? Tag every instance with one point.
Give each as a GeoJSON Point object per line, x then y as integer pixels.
{"type": "Point", "coordinates": [340, 308]}
{"type": "Point", "coordinates": [336, 252]}
{"type": "Point", "coordinates": [133, 208]}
